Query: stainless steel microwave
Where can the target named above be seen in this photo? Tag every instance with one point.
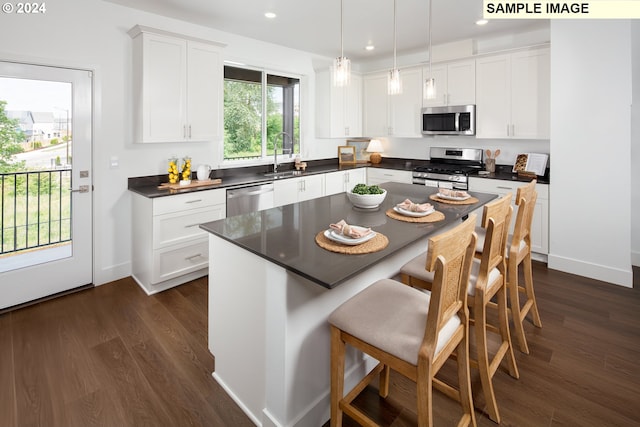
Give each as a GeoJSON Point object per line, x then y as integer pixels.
{"type": "Point", "coordinates": [451, 120]}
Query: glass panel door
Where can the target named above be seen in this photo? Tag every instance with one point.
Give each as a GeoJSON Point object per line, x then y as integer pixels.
{"type": "Point", "coordinates": [45, 181]}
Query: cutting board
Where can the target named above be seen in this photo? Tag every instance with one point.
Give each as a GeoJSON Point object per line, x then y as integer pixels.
{"type": "Point", "coordinates": [194, 183]}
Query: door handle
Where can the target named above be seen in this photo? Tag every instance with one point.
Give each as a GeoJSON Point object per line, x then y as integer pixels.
{"type": "Point", "coordinates": [81, 189]}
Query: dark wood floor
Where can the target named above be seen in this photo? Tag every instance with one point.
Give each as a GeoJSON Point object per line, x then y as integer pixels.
{"type": "Point", "coordinates": [112, 356]}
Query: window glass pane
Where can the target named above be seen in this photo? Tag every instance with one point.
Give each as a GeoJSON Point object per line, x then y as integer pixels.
{"type": "Point", "coordinates": [283, 114]}
{"type": "Point", "coordinates": [244, 110]}
{"type": "Point", "coordinates": [242, 114]}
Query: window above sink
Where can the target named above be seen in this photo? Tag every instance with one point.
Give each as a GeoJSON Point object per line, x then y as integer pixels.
{"type": "Point", "coordinates": [258, 107]}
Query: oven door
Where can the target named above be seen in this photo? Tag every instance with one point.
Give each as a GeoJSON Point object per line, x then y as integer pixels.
{"type": "Point", "coordinates": [440, 184]}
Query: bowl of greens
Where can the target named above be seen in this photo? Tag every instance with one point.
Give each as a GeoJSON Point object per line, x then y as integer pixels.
{"type": "Point", "coordinates": [366, 196]}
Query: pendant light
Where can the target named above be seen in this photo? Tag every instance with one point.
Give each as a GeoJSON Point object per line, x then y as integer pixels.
{"type": "Point", "coordinates": [341, 71]}
{"type": "Point", "coordinates": [429, 90]}
{"type": "Point", "coordinates": [394, 83]}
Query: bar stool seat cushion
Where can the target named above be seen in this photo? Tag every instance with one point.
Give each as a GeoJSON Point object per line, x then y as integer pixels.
{"type": "Point", "coordinates": [392, 317]}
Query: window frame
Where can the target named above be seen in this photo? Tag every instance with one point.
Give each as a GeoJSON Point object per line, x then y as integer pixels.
{"type": "Point", "coordinates": [265, 158]}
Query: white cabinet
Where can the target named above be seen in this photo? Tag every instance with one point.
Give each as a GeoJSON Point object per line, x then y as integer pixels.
{"type": "Point", "coordinates": [455, 83]}
{"type": "Point", "coordinates": [378, 176]}
{"type": "Point", "coordinates": [294, 190]}
{"type": "Point", "coordinates": [393, 115]}
{"type": "Point", "coordinates": [512, 95]}
{"type": "Point", "coordinates": [338, 109]}
{"type": "Point", "coordinates": [168, 246]}
{"type": "Point", "coordinates": [178, 87]}
{"type": "Point", "coordinates": [341, 181]}
{"type": "Point", "coordinates": [540, 222]}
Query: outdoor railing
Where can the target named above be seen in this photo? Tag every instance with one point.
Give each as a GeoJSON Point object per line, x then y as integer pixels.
{"type": "Point", "coordinates": [35, 209]}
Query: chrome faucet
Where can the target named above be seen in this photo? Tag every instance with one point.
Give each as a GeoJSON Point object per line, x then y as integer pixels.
{"type": "Point", "coordinates": [275, 149]}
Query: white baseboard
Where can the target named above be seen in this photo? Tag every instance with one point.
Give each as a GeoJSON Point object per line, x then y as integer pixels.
{"type": "Point", "coordinates": [635, 258]}
{"type": "Point", "coordinates": [594, 271]}
{"type": "Point", "coordinates": [111, 273]}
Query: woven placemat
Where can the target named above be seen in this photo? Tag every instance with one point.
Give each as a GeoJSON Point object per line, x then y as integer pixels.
{"type": "Point", "coordinates": [471, 200]}
{"type": "Point", "coordinates": [378, 243]}
{"type": "Point", "coordinates": [432, 217]}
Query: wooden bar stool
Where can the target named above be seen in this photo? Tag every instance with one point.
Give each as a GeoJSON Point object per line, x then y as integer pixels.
{"type": "Point", "coordinates": [519, 253]}
{"type": "Point", "coordinates": [487, 280]}
{"type": "Point", "coordinates": [410, 331]}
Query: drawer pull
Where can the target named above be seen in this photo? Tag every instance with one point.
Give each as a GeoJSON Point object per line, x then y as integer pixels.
{"type": "Point", "coordinates": [192, 225]}
{"type": "Point", "coordinates": [189, 258]}
{"type": "Point", "coordinates": [504, 188]}
{"type": "Point", "coordinates": [193, 201]}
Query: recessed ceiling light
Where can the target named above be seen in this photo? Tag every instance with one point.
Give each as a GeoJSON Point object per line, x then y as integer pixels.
{"type": "Point", "coordinates": [482, 22]}
{"type": "Point", "coordinates": [270, 15]}
{"type": "Point", "coordinates": [369, 47]}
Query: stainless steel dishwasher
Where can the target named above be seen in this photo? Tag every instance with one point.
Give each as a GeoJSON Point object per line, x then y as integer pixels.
{"type": "Point", "coordinates": [249, 199]}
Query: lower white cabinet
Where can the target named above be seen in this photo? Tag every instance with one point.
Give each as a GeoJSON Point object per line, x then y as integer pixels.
{"type": "Point", "coordinates": [378, 176]}
{"type": "Point", "coordinates": [540, 222]}
{"type": "Point", "coordinates": [341, 181]}
{"type": "Point", "coordinates": [168, 246]}
{"type": "Point", "coordinates": [294, 190]}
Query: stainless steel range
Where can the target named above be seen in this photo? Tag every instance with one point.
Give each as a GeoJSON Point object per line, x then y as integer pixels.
{"type": "Point", "coordinates": [449, 167]}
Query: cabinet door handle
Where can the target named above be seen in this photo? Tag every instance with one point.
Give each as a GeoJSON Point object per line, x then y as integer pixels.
{"type": "Point", "coordinates": [193, 201]}
{"type": "Point", "coordinates": [184, 131]}
{"type": "Point", "coordinates": [507, 129]}
{"type": "Point", "coordinates": [504, 188]}
{"type": "Point", "coordinates": [189, 131]}
{"type": "Point", "coordinates": [192, 225]}
{"type": "Point", "coordinates": [189, 258]}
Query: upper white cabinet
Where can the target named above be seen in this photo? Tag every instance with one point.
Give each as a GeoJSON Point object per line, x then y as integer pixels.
{"type": "Point", "coordinates": [338, 109]}
{"type": "Point", "coordinates": [455, 83]}
{"type": "Point", "coordinates": [512, 95]}
{"type": "Point", "coordinates": [178, 87]}
{"type": "Point", "coordinates": [393, 115]}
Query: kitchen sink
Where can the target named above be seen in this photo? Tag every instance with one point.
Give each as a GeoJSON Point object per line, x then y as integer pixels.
{"type": "Point", "coordinates": [278, 175]}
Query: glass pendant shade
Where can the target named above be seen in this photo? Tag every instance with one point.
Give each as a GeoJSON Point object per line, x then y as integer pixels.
{"type": "Point", "coordinates": [394, 82]}
{"type": "Point", "coordinates": [341, 71]}
{"type": "Point", "coordinates": [429, 89]}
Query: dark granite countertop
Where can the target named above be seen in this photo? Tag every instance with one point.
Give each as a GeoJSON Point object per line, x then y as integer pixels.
{"type": "Point", "coordinates": [239, 177]}
{"type": "Point", "coordinates": [504, 172]}
{"type": "Point", "coordinates": [286, 235]}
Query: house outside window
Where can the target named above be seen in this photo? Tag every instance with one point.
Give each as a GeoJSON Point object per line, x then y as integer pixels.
{"type": "Point", "coordinates": [258, 107]}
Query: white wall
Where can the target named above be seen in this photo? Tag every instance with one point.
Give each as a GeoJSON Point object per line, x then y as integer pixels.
{"type": "Point", "coordinates": [91, 34]}
{"type": "Point", "coordinates": [635, 144]}
{"type": "Point", "coordinates": [590, 207]}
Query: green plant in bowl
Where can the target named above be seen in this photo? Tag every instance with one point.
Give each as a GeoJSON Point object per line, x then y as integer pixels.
{"type": "Point", "coordinates": [366, 196]}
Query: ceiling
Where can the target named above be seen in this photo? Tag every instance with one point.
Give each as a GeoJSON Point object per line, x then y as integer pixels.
{"type": "Point", "coordinates": [314, 26]}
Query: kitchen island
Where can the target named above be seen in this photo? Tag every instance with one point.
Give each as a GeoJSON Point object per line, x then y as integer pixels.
{"type": "Point", "coordinates": [272, 288]}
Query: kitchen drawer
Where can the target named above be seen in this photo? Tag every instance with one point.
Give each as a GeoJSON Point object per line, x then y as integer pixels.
{"type": "Point", "coordinates": [172, 228]}
{"type": "Point", "coordinates": [378, 176]}
{"type": "Point", "coordinates": [192, 200]}
{"type": "Point", "coordinates": [179, 260]}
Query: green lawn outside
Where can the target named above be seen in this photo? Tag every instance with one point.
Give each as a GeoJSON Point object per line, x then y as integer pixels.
{"type": "Point", "coordinates": [37, 214]}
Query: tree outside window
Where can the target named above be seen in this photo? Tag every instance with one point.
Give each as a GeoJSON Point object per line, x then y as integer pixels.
{"type": "Point", "coordinates": [254, 100]}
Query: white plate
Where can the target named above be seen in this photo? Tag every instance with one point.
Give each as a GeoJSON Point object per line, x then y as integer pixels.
{"type": "Point", "coordinates": [410, 213]}
{"type": "Point", "coordinates": [340, 238]}
{"type": "Point", "coordinates": [444, 196]}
